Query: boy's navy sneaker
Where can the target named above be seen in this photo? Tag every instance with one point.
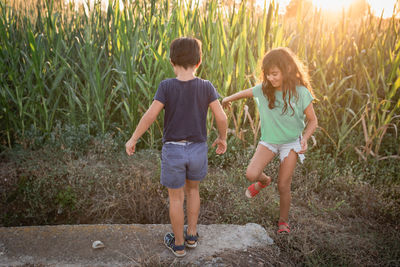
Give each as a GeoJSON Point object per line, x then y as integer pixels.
{"type": "Point", "coordinates": [169, 241]}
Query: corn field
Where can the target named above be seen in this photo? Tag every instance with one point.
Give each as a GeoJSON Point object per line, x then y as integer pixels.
{"type": "Point", "coordinates": [101, 67]}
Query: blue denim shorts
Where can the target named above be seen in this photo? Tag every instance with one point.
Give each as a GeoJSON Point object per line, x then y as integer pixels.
{"type": "Point", "coordinates": [181, 161]}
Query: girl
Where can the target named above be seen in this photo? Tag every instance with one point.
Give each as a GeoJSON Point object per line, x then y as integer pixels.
{"type": "Point", "coordinates": [284, 100]}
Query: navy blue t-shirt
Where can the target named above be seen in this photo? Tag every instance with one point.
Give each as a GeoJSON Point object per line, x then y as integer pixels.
{"type": "Point", "coordinates": [186, 105]}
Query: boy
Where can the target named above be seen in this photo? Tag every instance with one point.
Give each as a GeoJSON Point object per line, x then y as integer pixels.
{"type": "Point", "coordinates": [185, 99]}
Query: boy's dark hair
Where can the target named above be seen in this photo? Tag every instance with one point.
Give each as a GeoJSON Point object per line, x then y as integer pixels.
{"type": "Point", "coordinates": [185, 52]}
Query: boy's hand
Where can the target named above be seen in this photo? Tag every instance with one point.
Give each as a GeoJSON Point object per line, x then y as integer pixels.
{"type": "Point", "coordinates": [221, 145]}
{"type": "Point", "coordinates": [130, 146]}
{"type": "Point", "coordinates": [226, 103]}
{"type": "Point", "coordinates": [304, 146]}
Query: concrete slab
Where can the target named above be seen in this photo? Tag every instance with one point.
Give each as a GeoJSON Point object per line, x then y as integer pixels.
{"type": "Point", "coordinates": [125, 245]}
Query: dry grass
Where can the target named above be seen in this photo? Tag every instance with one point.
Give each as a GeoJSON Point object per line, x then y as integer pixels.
{"type": "Point", "coordinates": [340, 221]}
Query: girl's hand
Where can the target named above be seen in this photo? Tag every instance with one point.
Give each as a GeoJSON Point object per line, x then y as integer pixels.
{"type": "Point", "coordinates": [304, 146]}
{"type": "Point", "coordinates": [226, 103]}
{"type": "Point", "coordinates": [130, 146]}
{"type": "Point", "coordinates": [221, 145]}
{"type": "Point", "coordinates": [247, 93]}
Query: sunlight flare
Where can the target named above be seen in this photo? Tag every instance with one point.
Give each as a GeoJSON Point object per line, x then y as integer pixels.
{"type": "Point", "coordinates": [329, 5]}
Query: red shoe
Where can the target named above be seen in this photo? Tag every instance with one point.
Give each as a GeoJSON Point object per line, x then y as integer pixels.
{"type": "Point", "coordinates": [285, 230]}
{"type": "Point", "coordinates": [252, 191]}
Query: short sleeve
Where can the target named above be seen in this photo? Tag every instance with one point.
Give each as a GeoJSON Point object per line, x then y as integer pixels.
{"type": "Point", "coordinates": [306, 97]}
{"type": "Point", "coordinates": [160, 94]}
{"type": "Point", "coordinates": [257, 91]}
{"type": "Point", "coordinates": [212, 93]}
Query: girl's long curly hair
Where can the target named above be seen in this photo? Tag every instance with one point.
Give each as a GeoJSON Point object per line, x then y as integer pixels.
{"type": "Point", "coordinates": [294, 73]}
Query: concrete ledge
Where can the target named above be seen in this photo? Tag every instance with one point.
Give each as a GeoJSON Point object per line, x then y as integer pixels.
{"type": "Point", "coordinates": [136, 244]}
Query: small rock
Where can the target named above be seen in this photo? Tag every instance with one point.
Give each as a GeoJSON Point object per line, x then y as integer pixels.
{"type": "Point", "coordinates": [97, 244]}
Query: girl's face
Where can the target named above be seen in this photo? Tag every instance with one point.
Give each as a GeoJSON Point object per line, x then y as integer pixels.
{"type": "Point", "coordinates": [275, 77]}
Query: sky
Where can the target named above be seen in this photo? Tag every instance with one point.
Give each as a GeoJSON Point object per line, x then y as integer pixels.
{"type": "Point", "coordinates": [377, 6]}
{"type": "Point", "coordinates": [387, 5]}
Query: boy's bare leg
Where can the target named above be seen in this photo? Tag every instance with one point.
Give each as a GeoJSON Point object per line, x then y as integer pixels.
{"type": "Point", "coordinates": [176, 214]}
{"type": "Point", "coordinates": [254, 172]}
{"type": "Point", "coordinates": [284, 183]}
{"type": "Point", "coordinates": [192, 205]}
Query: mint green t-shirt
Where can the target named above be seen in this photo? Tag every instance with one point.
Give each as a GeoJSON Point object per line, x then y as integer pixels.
{"type": "Point", "coordinates": [278, 128]}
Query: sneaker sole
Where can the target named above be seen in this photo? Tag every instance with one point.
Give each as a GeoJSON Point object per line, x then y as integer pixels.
{"type": "Point", "coordinates": [191, 245]}
{"type": "Point", "coordinates": [175, 253]}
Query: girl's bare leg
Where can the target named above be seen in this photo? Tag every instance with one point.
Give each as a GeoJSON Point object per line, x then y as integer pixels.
{"type": "Point", "coordinates": [284, 183]}
{"type": "Point", "coordinates": [254, 172]}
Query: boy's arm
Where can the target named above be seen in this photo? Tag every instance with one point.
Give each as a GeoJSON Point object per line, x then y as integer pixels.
{"type": "Point", "coordinates": [222, 126]}
{"type": "Point", "coordinates": [312, 123]}
{"type": "Point", "coordinates": [226, 102]}
{"type": "Point", "coordinates": [148, 118]}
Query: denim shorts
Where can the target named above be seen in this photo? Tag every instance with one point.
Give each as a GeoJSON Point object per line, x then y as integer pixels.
{"type": "Point", "coordinates": [284, 149]}
{"type": "Point", "coordinates": [181, 161]}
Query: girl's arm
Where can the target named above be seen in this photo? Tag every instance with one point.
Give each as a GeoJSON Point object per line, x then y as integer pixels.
{"type": "Point", "coordinates": [312, 124]}
{"type": "Point", "coordinates": [226, 102]}
{"type": "Point", "coordinates": [148, 118]}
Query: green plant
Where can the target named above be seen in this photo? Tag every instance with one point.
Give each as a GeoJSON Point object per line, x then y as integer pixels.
{"type": "Point", "coordinates": [101, 67]}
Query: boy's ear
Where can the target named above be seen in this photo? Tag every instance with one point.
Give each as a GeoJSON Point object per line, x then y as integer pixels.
{"type": "Point", "coordinates": [198, 64]}
{"type": "Point", "coordinates": [172, 63]}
